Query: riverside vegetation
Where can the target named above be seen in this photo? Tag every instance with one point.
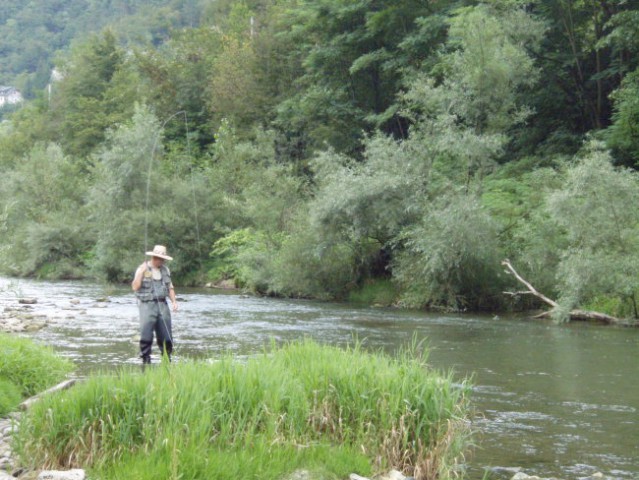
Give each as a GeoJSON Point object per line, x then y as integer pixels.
{"type": "Point", "coordinates": [27, 369]}
{"type": "Point", "coordinates": [305, 406]}
{"type": "Point", "coordinates": [390, 151]}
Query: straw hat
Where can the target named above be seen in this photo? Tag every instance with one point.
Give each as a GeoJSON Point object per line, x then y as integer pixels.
{"type": "Point", "coordinates": [160, 252]}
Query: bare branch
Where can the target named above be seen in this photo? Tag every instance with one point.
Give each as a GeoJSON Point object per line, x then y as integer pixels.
{"type": "Point", "coordinates": [574, 314]}
{"type": "Point", "coordinates": [531, 290]}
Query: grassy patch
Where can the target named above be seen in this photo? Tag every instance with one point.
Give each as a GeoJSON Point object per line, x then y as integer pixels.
{"type": "Point", "coordinates": [375, 292]}
{"type": "Point", "coordinates": [30, 366]}
{"type": "Point", "coordinates": [324, 409]}
{"type": "Point", "coordinates": [9, 396]}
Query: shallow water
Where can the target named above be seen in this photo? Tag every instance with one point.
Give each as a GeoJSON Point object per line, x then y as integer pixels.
{"type": "Point", "coordinates": [556, 400]}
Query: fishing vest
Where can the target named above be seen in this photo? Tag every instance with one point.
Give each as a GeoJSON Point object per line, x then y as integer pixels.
{"type": "Point", "coordinates": [151, 289]}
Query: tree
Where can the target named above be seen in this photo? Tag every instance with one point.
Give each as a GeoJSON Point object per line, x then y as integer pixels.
{"type": "Point", "coordinates": [351, 58]}
{"type": "Point", "coordinates": [96, 93]}
{"type": "Point", "coordinates": [44, 224]}
{"type": "Point", "coordinates": [128, 196]}
{"type": "Point", "coordinates": [623, 134]}
{"type": "Point", "coordinates": [602, 255]}
{"type": "Point", "coordinates": [451, 257]}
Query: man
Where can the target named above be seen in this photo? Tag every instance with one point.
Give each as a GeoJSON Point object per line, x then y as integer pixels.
{"type": "Point", "coordinates": [152, 285]}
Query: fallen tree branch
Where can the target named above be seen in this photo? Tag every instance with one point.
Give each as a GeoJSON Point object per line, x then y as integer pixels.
{"type": "Point", "coordinates": [61, 386]}
{"type": "Point", "coordinates": [531, 290]}
{"type": "Point", "coordinates": [573, 314]}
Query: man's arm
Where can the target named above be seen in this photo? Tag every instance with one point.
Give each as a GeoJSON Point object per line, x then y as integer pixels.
{"type": "Point", "coordinates": [137, 278]}
{"type": "Point", "coordinates": [172, 298]}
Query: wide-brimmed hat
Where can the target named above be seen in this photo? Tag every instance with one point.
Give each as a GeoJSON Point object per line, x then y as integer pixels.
{"type": "Point", "coordinates": [160, 252]}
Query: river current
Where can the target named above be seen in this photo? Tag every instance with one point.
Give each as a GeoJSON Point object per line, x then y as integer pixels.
{"type": "Point", "coordinates": [554, 400]}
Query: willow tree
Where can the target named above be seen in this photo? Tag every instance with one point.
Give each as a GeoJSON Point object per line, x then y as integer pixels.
{"type": "Point", "coordinates": [600, 263]}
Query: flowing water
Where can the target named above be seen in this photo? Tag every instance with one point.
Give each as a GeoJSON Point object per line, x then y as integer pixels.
{"type": "Point", "coordinates": [555, 400]}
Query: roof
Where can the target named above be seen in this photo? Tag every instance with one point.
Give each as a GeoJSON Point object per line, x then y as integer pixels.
{"type": "Point", "coordinates": [5, 91]}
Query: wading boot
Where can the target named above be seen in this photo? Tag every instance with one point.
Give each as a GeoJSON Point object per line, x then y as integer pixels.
{"type": "Point", "coordinates": [146, 360]}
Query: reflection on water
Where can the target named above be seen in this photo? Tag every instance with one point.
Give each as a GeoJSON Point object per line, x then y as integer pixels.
{"type": "Point", "coordinates": [555, 400]}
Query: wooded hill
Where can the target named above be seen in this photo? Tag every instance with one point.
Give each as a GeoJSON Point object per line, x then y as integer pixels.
{"type": "Point", "coordinates": [384, 150]}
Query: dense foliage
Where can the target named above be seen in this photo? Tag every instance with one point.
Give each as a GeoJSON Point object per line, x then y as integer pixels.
{"type": "Point", "coordinates": [321, 148]}
{"type": "Point", "coordinates": [351, 410]}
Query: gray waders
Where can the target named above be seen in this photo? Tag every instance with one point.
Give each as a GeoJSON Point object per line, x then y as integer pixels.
{"type": "Point", "coordinates": [155, 317]}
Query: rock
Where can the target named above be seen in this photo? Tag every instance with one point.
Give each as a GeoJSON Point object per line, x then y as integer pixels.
{"type": "Point", "coordinates": [6, 476]}
{"type": "Point", "coordinates": [74, 301]}
{"type": "Point", "coordinates": [354, 476]}
{"type": "Point", "coordinates": [392, 475]}
{"type": "Point", "coordinates": [76, 474]}
{"type": "Point", "coordinates": [523, 476]}
{"type": "Point", "coordinates": [28, 301]}
{"type": "Point", "coordinates": [503, 472]}
{"type": "Point", "coordinates": [300, 475]}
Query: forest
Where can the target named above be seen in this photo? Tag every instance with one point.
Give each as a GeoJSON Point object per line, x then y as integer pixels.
{"type": "Point", "coordinates": [391, 152]}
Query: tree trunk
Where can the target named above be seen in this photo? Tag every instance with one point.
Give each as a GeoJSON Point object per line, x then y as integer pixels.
{"type": "Point", "coordinates": [573, 314]}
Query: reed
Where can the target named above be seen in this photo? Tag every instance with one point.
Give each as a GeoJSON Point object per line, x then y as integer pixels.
{"type": "Point", "coordinates": [300, 406]}
{"type": "Point", "coordinates": [30, 366]}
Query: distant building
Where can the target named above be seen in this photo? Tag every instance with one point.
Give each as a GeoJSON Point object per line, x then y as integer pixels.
{"type": "Point", "coordinates": [9, 96]}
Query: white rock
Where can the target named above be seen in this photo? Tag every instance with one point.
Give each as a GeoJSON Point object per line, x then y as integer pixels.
{"type": "Point", "coordinates": [523, 476]}
{"type": "Point", "coordinates": [354, 476]}
{"type": "Point", "coordinates": [76, 474]}
{"type": "Point", "coordinates": [6, 476]}
{"type": "Point", "coordinates": [393, 475]}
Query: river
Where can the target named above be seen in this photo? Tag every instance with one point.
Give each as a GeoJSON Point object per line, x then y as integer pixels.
{"type": "Point", "coordinates": [555, 400]}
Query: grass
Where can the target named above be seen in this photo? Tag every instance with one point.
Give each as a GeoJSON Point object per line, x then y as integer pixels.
{"type": "Point", "coordinates": [327, 410]}
{"type": "Point", "coordinates": [30, 367]}
{"type": "Point", "coordinates": [9, 396]}
{"type": "Point", "coordinates": [380, 292]}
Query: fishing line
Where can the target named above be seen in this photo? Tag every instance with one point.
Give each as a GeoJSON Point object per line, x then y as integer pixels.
{"type": "Point", "coordinates": [148, 182]}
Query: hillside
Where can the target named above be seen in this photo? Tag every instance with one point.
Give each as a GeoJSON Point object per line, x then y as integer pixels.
{"type": "Point", "coordinates": [33, 31]}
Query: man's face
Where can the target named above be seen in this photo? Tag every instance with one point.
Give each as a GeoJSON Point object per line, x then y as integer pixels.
{"type": "Point", "coordinates": [157, 262]}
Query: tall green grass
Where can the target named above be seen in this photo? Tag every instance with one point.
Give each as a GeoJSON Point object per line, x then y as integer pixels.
{"type": "Point", "coordinates": [381, 291]}
{"type": "Point", "coordinates": [30, 366]}
{"type": "Point", "coordinates": [9, 396]}
{"type": "Point", "coordinates": [329, 410]}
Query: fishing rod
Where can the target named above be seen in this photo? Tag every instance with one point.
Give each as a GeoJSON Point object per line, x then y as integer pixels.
{"type": "Point", "coordinates": [146, 217]}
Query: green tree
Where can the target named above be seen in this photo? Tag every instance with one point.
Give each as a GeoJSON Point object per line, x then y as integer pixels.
{"type": "Point", "coordinates": [97, 92]}
{"type": "Point", "coordinates": [451, 257]}
{"type": "Point", "coordinates": [129, 196]}
{"type": "Point", "coordinates": [602, 255]}
{"type": "Point", "coordinates": [351, 59]}
{"type": "Point", "coordinates": [623, 134]}
{"type": "Point", "coordinates": [44, 226]}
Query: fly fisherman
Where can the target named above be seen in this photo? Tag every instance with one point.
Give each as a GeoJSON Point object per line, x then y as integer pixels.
{"type": "Point", "coordinates": [152, 285]}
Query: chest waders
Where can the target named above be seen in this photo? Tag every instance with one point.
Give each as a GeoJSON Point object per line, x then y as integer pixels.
{"type": "Point", "coordinates": [155, 315]}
